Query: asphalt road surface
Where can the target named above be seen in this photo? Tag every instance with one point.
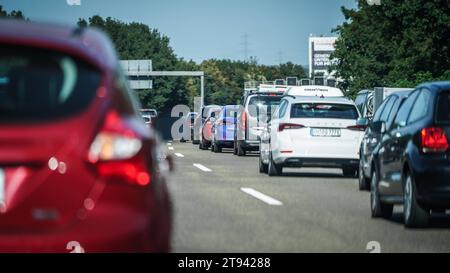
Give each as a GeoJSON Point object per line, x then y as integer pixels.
{"type": "Point", "coordinates": [223, 204]}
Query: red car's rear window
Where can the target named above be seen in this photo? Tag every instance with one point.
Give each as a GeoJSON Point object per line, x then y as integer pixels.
{"type": "Point", "coordinates": [37, 84]}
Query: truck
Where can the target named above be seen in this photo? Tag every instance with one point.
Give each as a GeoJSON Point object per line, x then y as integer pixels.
{"type": "Point", "coordinates": [368, 100]}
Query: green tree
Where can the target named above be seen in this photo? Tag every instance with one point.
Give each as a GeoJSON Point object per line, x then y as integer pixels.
{"type": "Point", "coordinates": [16, 14]}
{"type": "Point", "coordinates": [397, 43]}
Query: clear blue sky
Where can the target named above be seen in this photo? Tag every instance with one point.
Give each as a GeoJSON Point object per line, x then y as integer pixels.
{"type": "Point", "coordinates": [204, 29]}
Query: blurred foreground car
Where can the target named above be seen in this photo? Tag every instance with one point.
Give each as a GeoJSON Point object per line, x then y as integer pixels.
{"type": "Point", "coordinates": [223, 129]}
{"type": "Point", "coordinates": [411, 164]}
{"type": "Point", "coordinates": [78, 166]}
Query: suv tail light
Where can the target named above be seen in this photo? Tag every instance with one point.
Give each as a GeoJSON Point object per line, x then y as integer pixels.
{"type": "Point", "coordinates": [287, 126]}
{"type": "Point", "coordinates": [244, 121]}
{"type": "Point", "coordinates": [115, 150]}
{"type": "Point", "coordinates": [357, 128]}
{"type": "Point", "coordinates": [433, 140]}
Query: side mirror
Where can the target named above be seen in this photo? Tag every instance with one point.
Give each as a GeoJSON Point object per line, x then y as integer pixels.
{"type": "Point", "coordinates": [362, 122]}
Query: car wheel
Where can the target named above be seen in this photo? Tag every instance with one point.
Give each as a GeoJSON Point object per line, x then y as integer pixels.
{"type": "Point", "coordinates": [362, 180]}
{"type": "Point", "coordinates": [378, 208]}
{"type": "Point", "coordinates": [414, 215]}
{"type": "Point", "coordinates": [349, 172]}
{"type": "Point", "coordinates": [201, 145]}
{"type": "Point", "coordinates": [263, 168]}
{"type": "Point", "coordinates": [240, 150]}
{"type": "Point", "coordinates": [216, 148]}
{"type": "Point", "coordinates": [273, 168]}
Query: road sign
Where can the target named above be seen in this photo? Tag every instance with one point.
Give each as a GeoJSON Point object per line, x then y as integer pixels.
{"type": "Point", "coordinates": [138, 73]}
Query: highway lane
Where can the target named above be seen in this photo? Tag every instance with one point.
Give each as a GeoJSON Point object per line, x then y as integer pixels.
{"type": "Point", "coordinates": [318, 211]}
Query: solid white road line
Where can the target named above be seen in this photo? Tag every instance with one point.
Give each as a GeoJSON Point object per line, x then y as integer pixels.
{"type": "Point", "coordinates": [170, 148]}
{"type": "Point", "coordinates": [179, 155]}
{"type": "Point", "coordinates": [261, 196]}
{"type": "Point", "coordinates": [201, 167]}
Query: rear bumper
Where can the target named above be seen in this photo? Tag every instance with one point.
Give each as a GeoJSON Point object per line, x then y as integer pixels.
{"type": "Point", "coordinates": [287, 161]}
{"type": "Point", "coordinates": [225, 143]}
{"type": "Point", "coordinates": [432, 181]}
{"type": "Point", "coordinates": [109, 227]}
{"type": "Point", "coordinates": [250, 145]}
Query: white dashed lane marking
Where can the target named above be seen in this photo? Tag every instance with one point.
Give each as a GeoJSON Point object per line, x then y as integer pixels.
{"type": "Point", "coordinates": [262, 197]}
{"type": "Point", "coordinates": [201, 167]}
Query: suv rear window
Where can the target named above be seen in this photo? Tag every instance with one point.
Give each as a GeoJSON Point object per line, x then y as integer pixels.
{"type": "Point", "coordinates": [324, 110]}
{"type": "Point", "coordinates": [37, 84]}
{"type": "Point", "coordinates": [443, 107]}
{"type": "Point", "coordinates": [258, 105]}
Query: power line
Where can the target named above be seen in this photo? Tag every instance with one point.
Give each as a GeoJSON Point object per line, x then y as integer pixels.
{"type": "Point", "coordinates": [280, 57]}
{"type": "Point", "coordinates": [245, 45]}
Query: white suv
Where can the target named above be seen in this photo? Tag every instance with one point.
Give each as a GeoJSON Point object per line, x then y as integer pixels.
{"type": "Point", "coordinates": [312, 132]}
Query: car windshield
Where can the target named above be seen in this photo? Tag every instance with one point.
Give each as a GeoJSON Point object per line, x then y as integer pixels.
{"type": "Point", "coordinates": [40, 84]}
{"type": "Point", "coordinates": [324, 110]}
{"type": "Point", "coordinates": [258, 105]}
{"type": "Point", "coordinates": [149, 112]}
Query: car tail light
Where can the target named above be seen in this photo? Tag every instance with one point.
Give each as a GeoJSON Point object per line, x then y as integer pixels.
{"type": "Point", "coordinates": [115, 150]}
{"type": "Point", "coordinates": [244, 121]}
{"type": "Point", "coordinates": [357, 128]}
{"type": "Point", "coordinates": [433, 140]}
{"type": "Point", "coordinates": [288, 126]}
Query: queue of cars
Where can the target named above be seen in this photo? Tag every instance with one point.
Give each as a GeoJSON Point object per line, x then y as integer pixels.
{"type": "Point", "coordinates": [78, 165]}
{"type": "Point", "coordinates": [400, 153]}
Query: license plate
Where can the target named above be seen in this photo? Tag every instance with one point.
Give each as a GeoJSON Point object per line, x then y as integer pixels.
{"type": "Point", "coordinates": [320, 132]}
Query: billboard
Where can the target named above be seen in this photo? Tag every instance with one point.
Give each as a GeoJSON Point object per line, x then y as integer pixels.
{"type": "Point", "coordinates": [320, 50]}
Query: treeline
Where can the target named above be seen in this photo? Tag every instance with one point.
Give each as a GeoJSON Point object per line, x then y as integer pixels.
{"type": "Point", "coordinates": [396, 43]}
{"type": "Point", "coordinates": [224, 79]}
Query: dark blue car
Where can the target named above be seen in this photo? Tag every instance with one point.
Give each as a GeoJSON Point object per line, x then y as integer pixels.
{"type": "Point", "coordinates": [223, 128]}
{"type": "Point", "coordinates": [412, 160]}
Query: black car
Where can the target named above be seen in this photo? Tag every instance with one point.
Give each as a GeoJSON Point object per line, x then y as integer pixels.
{"type": "Point", "coordinates": [190, 119]}
{"type": "Point", "coordinates": [412, 161]}
{"type": "Point", "coordinates": [385, 113]}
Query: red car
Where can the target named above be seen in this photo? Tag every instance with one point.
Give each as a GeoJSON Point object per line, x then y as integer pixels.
{"type": "Point", "coordinates": [79, 169]}
{"type": "Point", "coordinates": [206, 129]}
